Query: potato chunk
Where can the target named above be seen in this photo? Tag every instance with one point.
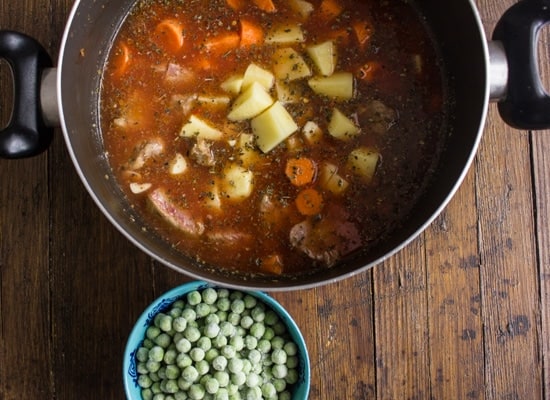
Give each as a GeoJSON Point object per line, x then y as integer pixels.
{"type": "Point", "coordinates": [285, 34]}
{"type": "Point", "coordinates": [255, 73]}
{"type": "Point", "coordinates": [233, 84]}
{"type": "Point", "coordinates": [197, 127]}
{"type": "Point", "coordinates": [338, 86]}
{"type": "Point", "coordinates": [324, 57]}
{"type": "Point", "coordinates": [238, 182]}
{"type": "Point", "coordinates": [272, 127]}
{"type": "Point", "coordinates": [312, 132]}
{"type": "Point", "coordinates": [301, 7]}
{"type": "Point", "coordinates": [250, 103]}
{"type": "Point", "coordinates": [341, 127]}
{"type": "Point", "coordinates": [289, 92]}
{"type": "Point", "coordinates": [289, 65]}
{"type": "Point", "coordinates": [363, 162]}
{"type": "Point", "coordinates": [178, 165]}
{"type": "Point", "coordinates": [330, 179]}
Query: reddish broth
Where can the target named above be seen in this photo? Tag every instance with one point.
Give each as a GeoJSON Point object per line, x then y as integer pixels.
{"type": "Point", "coordinates": [168, 63]}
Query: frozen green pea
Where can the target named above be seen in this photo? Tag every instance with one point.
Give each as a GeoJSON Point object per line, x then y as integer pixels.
{"type": "Point", "coordinates": [222, 315]}
{"type": "Point", "coordinates": [152, 332]}
{"type": "Point", "coordinates": [183, 360]}
{"type": "Point", "coordinates": [180, 395]}
{"type": "Point", "coordinates": [279, 371]}
{"type": "Point", "coordinates": [238, 378]}
{"type": "Point", "coordinates": [170, 356]}
{"type": "Point", "coordinates": [257, 330]}
{"type": "Point", "coordinates": [184, 384]}
{"type": "Point", "coordinates": [254, 356]}
{"type": "Point", "coordinates": [162, 372]}
{"type": "Point", "coordinates": [269, 333]}
{"type": "Point", "coordinates": [211, 330]}
{"type": "Point", "coordinates": [203, 367]}
{"type": "Point", "coordinates": [268, 390]}
{"type": "Point", "coordinates": [286, 395]}
{"type": "Point", "coordinates": [219, 363]}
{"type": "Point", "coordinates": [254, 393]}
{"type": "Point", "coordinates": [212, 318]}
{"type": "Point", "coordinates": [172, 372]}
{"type": "Point", "coordinates": [192, 334]}
{"type": "Point", "coordinates": [291, 376]}
{"type": "Point", "coordinates": [277, 342]}
{"type": "Point", "coordinates": [144, 381]}
{"type": "Point", "coordinates": [196, 392]}
{"type": "Point", "coordinates": [147, 394]}
{"type": "Point", "coordinates": [179, 304]}
{"type": "Point", "coordinates": [235, 365]}
{"type": "Point", "coordinates": [209, 295]}
{"type": "Point", "coordinates": [211, 354]}
{"type": "Point", "coordinates": [237, 306]}
{"type": "Point", "coordinates": [156, 354]}
{"type": "Point", "coordinates": [154, 376]}
{"type": "Point", "coordinates": [237, 342]}
{"type": "Point", "coordinates": [197, 354]}
{"type": "Point", "coordinates": [236, 294]}
{"type": "Point", "coordinates": [264, 346]}
{"type": "Point", "coordinates": [247, 366]}
{"type": "Point", "coordinates": [159, 396]}
{"type": "Point", "coordinates": [250, 342]}
{"type": "Point", "coordinates": [271, 318]}
{"type": "Point", "coordinates": [278, 356]}
{"type": "Point", "coordinates": [183, 345]}
{"type": "Point", "coordinates": [194, 297]}
{"type": "Point", "coordinates": [190, 374]}
{"type": "Point", "coordinates": [227, 329]}
{"type": "Point", "coordinates": [219, 341]}
{"type": "Point", "coordinates": [224, 304]}
{"type": "Point", "coordinates": [234, 318]}
{"type": "Point", "coordinates": [228, 352]}
{"type": "Point", "coordinates": [246, 322]}
{"type": "Point", "coordinates": [280, 385]}
{"type": "Point", "coordinates": [222, 377]}
{"type": "Point", "coordinates": [148, 343]}
{"type": "Point", "coordinates": [249, 301]}
{"type": "Point", "coordinates": [211, 385]}
{"type": "Point", "coordinates": [155, 388]}
{"type": "Point", "coordinates": [290, 348]}
{"type": "Point", "coordinates": [179, 324]}
{"type": "Point", "coordinates": [165, 322]}
{"type": "Point", "coordinates": [204, 343]}
{"type": "Point", "coordinates": [142, 354]}
{"type": "Point", "coordinates": [189, 314]}
{"type": "Point", "coordinates": [252, 380]}
{"type": "Point", "coordinates": [221, 394]}
{"type": "Point", "coordinates": [279, 328]}
{"type": "Point", "coordinates": [292, 362]}
{"type": "Point", "coordinates": [175, 312]}
{"type": "Point", "coordinates": [202, 310]}
{"type": "Point", "coordinates": [141, 368]}
{"type": "Point", "coordinates": [152, 366]}
{"type": "Point", "coordinates": [163, 340]}
{"type": "Point", "coordinates": [240, 331]}
{"type": "Point", "coordinates": [171, 386]}
{"type": "Point", "coordinates": [258, 314]}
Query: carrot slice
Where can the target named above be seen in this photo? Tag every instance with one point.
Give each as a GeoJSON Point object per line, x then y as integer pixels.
{"type": "Point", "coordinates": [309, 202]}
{"type": "Point", "coordinates": [169, 35]}
{"type": "Point", "coordinates": [330, 9]}
{"type": "Point", "coordinates": [120, 60]}
{"type": "Point", "coordinates": [301, 171]}
{"type": "Point", "coordinates": [222, 43]}
{"type": "Point", "coordinates": [363, 31]}
{"type": "Point", "coordinates": [235, 4]}
{"type": "Point", "coordinates": [265, 5]}
{"type": "Point", "coordinates": [251, 33]}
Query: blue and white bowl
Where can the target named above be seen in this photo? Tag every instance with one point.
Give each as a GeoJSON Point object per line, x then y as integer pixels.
{"type": "Point", "coordinates": [164, 302]}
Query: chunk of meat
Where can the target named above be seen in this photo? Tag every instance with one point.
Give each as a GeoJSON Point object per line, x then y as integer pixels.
{"type": "Point", "coordinates": [145, 151]}
{"type": "Point", "coordinates": [376, 117]}
{"type": "Point", "coordinates": [327, 239]}
{"type": "Point", "coordinates": [179, 217]}
{"type": "Point", "coordinates": [231, 238]}
{"type": "Point", "coordinates": [202, 153]}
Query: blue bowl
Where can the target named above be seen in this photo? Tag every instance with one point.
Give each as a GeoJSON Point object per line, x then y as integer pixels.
{"type": "Point", "coordinates": [164, 302]}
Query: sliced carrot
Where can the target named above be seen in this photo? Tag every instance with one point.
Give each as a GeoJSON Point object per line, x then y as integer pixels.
{"type": "Point", "coordinates": [301, 171]}
{"type": "Point", "coordinates": [368, 71]}
{"type": "Point", "coordinates": [222, 43]}
{"type": "Point", "coordinates": [309, 202]}
{"type": "Point", "coordinates": [272, 264]}
{"type": "Point", "coordinates": [330, 9]}
{"type": "Point", "coordinates": [251, 33]}
{"type": "Point", "coordinates": [169, 35]}
{"type": "Point", "coordinates": [120, 60]}
{"type": "Point", "coordinates": [235, 4]}
{"type": "Point", "coordinates": [265, 5]}
{"type": "Point", "coordinates": [363, 31]}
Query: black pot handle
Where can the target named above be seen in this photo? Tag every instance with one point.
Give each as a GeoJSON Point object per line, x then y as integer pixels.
{"type": "Point", "coordinates": [26, 134]}
{"type": "Point", "coordinates": [527, 104]}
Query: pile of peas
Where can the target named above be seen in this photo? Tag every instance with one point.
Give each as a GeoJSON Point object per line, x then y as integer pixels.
{"type": "Point", "coordinates": [217, 344]}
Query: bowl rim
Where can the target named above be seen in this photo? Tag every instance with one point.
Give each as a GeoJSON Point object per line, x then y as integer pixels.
{"type": "Point", "coordinates": [166, 299]}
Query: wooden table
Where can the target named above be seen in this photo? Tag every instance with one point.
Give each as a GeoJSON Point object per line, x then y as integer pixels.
{"type": "Point", "coordinates": [461, 313]}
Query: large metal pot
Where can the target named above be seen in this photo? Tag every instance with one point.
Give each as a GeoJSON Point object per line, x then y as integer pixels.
{"type": "Point", "coordinates": [504, 69]}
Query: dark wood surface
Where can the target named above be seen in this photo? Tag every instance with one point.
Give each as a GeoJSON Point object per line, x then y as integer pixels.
{"type": "Point", "coordinates": [461, 313]}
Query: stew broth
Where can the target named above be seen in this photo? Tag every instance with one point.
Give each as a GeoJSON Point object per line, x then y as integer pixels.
{"type": "Point", "coordinates": [233, 130]}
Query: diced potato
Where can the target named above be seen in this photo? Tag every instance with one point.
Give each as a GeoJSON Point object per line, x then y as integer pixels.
{"type": "Point", "coordinates": [272, 127]}
{"type": "Point", "coordinates": [285, 34]}
{"type": "Point", "coordinates": [301, 7]}
{"type": "Point", "coordinates": [250, 103]}
{"type": "Point", "coordinates": [341, 127]}
{"type": "Point", "coordinates": [212, 198]}
{"type": "Point", "coordinates": [247, 153]}
{"type": "Point", "coordinates": [289, 65]}
{"type": "Point", "coordinates": [255, 73]}
{"type": "Point", "coordinates": [312, 132]}
{"type": "Point", "coordinates": [178, 165]}
{"type": "Point", "coordinates": [338, 86]}
{"type": "Point", "coordinates": [363, 162]}
{"type": "Point", "coordinates": [324, 57]}
{"type": "Point", "coordinates": [213, 101]}
{"type": "Point", "coordinates": [196, 127]}
{"type": "Point", "coordinates": [289, 92]}
{"type": "Point", "coordinates": [238, 182]}
{"type": "Point", "coordinates": [233, 84]}
{"type": "Point", "coordinates": [330, 180]}
{"type": "Point", "coordinates": [138, 188]}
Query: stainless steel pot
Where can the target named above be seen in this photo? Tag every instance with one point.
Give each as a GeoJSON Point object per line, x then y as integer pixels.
{"type": "Point", "coordinates": [503, 69]}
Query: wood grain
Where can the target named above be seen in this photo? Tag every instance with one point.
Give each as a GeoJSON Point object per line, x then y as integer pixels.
{"type": "Point", "coordinates": [463, 312]}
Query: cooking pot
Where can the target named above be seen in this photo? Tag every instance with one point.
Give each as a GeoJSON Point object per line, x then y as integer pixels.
{"type": "Point", "coordinates": [503, 69]}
